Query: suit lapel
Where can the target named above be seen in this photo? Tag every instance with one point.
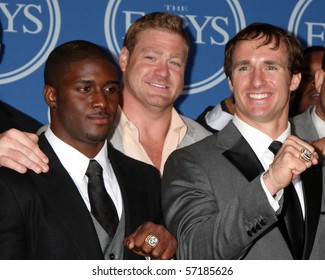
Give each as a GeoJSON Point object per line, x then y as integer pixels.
{"type": "Point", "coordinates": [312, 186]}
{"type": "Point", "coordinates": [63, 197]}
{"type": "Point", "coordinates": [244, 158]}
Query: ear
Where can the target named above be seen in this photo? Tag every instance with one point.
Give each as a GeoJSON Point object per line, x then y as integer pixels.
{"type": "Point", "coordinates": [50, 96]}
{"type": "Point", "coordinates": [231, 87]}
{"type": "Point", "coordinates": [295, 81]}
{"type": "Point", "coordinates": [123, 59]}
{"type": "Point", "coordinates": [319, 79]}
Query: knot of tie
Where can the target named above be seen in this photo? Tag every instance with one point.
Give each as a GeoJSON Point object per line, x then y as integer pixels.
{"type": "Point", "coordinates": [275, 147]}
{"type": "Point", "coordinates": [94, 169]}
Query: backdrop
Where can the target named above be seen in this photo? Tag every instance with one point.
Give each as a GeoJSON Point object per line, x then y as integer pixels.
{"type": "Point", "coordinates": [32, 28]}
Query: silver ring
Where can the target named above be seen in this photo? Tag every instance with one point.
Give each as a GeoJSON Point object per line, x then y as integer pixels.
{"type": "Point", "coordinates": [152, 240]}
{"type": "Point", "coordinates": [305, 155]}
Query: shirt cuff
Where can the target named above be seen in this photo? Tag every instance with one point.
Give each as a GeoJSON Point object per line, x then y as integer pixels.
{"type": "Point", "coordinates": [273, 200]}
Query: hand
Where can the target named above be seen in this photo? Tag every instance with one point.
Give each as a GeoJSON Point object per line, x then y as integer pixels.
{"type": "Point", "coordinates": [19, 151]}
{"type": "Point", "coordinates": [288, 165]}
{"type": "Point", "coordinates": [165, 249]}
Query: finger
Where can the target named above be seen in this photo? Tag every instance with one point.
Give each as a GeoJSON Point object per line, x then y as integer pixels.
{"type": "Point", "coordinates": [8, 162]}
{"type": "Point", "coordinates": [129, 242]}
{"type": "Point", "coordinates": [300, 144]}
{"type": "Point", "coordinates": [299, 147]}
{"type": "Point", "coordinates": [31, 141]}
{"type": "Point", "coordinates": [20, 162]}
{"type": "Point", "coordinates": [24, 152]}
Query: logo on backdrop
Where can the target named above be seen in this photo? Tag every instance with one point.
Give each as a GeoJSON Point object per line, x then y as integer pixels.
{"type": "Point", "coordinates": [30, 30]}
{"type": "Point", "coordinates": [209, 31]}
{"type": "Point", "coordinates": [306, 22]}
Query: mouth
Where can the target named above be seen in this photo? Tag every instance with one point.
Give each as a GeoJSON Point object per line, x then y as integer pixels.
{"type": "Point", "coordinates": [99, 118]}
{"type": "Point", "coordinates": [258, 96]}
{"type": "Point", "coordinates": [314, 95]}
{"type": "Point", "coordinates": [158, 85]}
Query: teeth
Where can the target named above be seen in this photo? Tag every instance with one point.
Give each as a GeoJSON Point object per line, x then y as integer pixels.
{"type": "Point", "coordinates": [258, 95]}
{"type": "Point", "coordinates": [158, 85]}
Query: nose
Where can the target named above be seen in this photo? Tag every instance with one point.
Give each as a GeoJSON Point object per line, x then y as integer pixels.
{"type": "Point", "coordinates": [258, 78]}
{"type": "Point", "coordinates": [162, 69]}
{"type": "Point", "coordinates": [99, 99]}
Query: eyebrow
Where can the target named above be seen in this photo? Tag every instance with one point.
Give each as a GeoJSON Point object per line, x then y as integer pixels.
{"type": "Point", "coordinates": [267, 62]}
{"type": "Point", "coordinates": [159, 52]}
{"type": "Point", "coordinates": [85, 81]}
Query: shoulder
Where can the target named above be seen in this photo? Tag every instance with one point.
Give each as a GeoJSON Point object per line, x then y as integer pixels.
{"type": "Point", "coordinates": [125, 162]}
{"type": "Point", "coordinates": [301, 118]}
{"type": "Point", "coordinates": [194, 129]}
{"type": "Point", "coordinates": [17, 119]}
{"type": "Point", "coordinates": [302, 125]}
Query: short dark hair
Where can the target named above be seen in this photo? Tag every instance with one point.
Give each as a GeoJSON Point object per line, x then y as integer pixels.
{"type": "Point", "coordinates": [59, 59]}
{"type": "Point", "coordinates": [271, 34]}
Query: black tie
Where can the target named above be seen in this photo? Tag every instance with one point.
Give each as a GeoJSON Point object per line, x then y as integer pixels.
{"type": "Point", "coordinates": [291, 213]}
{"type": "Point", "coordinates": [101, 204]}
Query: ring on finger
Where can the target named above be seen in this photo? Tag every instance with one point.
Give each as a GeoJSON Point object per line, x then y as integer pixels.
{"type": "Point", "coordinates": [305, 155]}
{"type": "Point", "coordinates": [152, 240]}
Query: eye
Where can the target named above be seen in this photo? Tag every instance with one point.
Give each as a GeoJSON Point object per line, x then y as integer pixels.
{"type": "Point", "coordinates": [176, 63]}
{"type": "Point", "coordinates": [84, 89]}
{"type": "Point", "coordinates": [271, 67]}
{"type": "Point", "coordinates": [150, 58]}
{"type": "Point", "coordinates": [111, 89]}
{"type": "Point", "coordinates": [243, 68]}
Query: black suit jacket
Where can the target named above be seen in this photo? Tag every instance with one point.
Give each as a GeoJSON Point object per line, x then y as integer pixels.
{"type": "Point", "coordinates": [44, 217]}
{"type": "Point", "coordinates": [13, 118]}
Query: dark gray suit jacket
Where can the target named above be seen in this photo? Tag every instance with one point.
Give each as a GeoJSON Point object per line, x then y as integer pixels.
{"type": "Point", "coordinates": [302, 125]}
{"type": "Point", "coordinates": [214, 203]}
{"type": "Point", "coordinates": [44, 217]}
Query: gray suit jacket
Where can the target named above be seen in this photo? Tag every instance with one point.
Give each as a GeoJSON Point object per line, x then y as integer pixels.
{"type": "Point", "coordinates": [302, 125]}
{"type": "Point", "coordinates": [214, 204]}
{"type": "Point", "coordinates": [194, 133]}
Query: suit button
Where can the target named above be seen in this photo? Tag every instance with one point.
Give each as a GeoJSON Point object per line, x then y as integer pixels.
{"type": "Point", "coordinates": [112, 257]}
{"type": "Point", "coordinates": [258, 227]}
{"type": "Point", "coordinates": [263, 221]}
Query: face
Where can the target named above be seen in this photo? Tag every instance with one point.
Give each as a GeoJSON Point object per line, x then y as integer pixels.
{"type": "Point", "coordinates": [320, 85]}
{"type": "Point", "coordinates": [261, 83]}
{"type": "Point", "coordinates": [153, 75]}
{"type": "Point", "coordinates": [85, 103]}
{"type": "Point", "coordinates": [307, 90]}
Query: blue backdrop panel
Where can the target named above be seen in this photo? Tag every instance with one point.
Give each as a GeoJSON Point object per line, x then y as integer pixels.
{"type": "Point", "coordinates": [32, 28]}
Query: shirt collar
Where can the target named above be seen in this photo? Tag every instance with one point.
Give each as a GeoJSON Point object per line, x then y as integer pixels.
{"type": "Point", "coordinates": [319, 123]}
{"type": "Point", "coordinates": [74, 161]}
{"type": "Point", "coordinates": [258, 140]}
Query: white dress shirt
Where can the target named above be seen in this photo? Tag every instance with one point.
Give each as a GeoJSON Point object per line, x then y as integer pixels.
{"type": "Point", "coordinates": [76, 165]}
{"type": "Point", "coordinates": [319, 123]}
{"type": "Point", "coordinates": [260, 143]}
{"type": "Point", "coordinates": [217, 118]}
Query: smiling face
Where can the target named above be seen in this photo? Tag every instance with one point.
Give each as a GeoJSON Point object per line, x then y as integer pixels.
{"type": "Point", "coordinates": [153, 74]}
{"type": "Point", "coordinates": [84, 103]}
{"type": "Point", "coordinates": [261, 83]}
